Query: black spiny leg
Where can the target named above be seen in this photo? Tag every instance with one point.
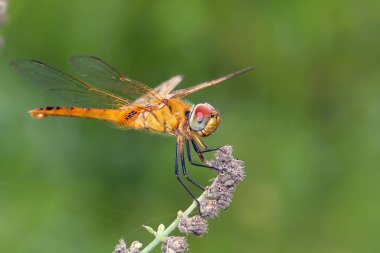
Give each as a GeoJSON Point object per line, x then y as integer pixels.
{"type": "Point", "coordinates": [176, 171]}
{"type": "Point", "coordinates": [206, 149]}
{"type": "Point", "coordinates": [197, 150]}
{"type": "Point", "coordinates": [184, 171]}
{"type": "Point", "coordinates": [199, 154]}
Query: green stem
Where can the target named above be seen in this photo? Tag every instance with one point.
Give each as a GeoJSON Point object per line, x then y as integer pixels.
{"type": "Point", "coordinates": [171, 227]}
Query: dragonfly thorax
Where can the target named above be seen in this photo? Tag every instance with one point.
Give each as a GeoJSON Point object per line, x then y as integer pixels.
{"type": "Point", "coordinates": [203, 119]}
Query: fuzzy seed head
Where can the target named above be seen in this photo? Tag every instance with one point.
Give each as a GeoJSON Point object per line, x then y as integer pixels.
{"type": "Point", "coordinates": [174, 244]}
{"type": "Point", "coordinates": [236, 171]}
{"type": "Point", "coordinates": [217, 189]}
{"type": "Point", "coordinates": [231, 173]}
{"type": "Point", "coordinates": [229, 167]}
{"type": "Point", "coordinates": [209, 208]}
{"type": "Point", "coordinates": [195, 225]}
{"type": "Point", "coordinates": [224, 200]}
{"type": "Point", "coordinates": [121, 247]}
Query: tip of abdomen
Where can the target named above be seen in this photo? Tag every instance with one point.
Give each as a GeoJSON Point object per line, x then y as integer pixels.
{"type": "Point", "coordinates": [41, 113]}
{"type": "Point", "coordinates": [37, 113]}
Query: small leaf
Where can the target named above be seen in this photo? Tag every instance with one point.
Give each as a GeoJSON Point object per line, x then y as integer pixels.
{"type": "Point", "coordinates": [150, 230]}
{"type": "Point", "coordinates": [160, 229]}
{"type": "Point", "coordinates": [180, 214]}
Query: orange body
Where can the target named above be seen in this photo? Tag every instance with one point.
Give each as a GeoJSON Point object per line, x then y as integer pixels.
{"type": "Point", "coordinates": [168, 117]}
{"type": "Point", "coordinates": [121, 100]}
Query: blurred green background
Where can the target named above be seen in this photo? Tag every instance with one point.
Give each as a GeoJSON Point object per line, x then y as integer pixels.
{"type": "Point", "coordinates": [305, 121]}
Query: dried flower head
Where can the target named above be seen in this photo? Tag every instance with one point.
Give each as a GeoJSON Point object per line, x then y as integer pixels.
{"type": "Point", "coordinates": [231, 168]}
{"type": "Point", "coordinates": [231, 173]}
{"type": "Point", "coordinates": [209, 208]}
{"type": "Point", "coordinates": [195, 225]}
{"type": "Point", "coordinates": [216, 197]}
{"type": "Point", "coordinates": [174, 244]}
{"type": "Point", "coordinates": [121, 247]}
{"type": "Point", "coordinates": [224, 200]}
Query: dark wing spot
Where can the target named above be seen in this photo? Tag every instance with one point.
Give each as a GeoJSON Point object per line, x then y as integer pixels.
{"type": "Point", "coordinates": [49, 108]}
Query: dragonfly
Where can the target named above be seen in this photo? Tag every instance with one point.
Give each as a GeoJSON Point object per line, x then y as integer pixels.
{"type": "Point", "coordinates": [102, 93]}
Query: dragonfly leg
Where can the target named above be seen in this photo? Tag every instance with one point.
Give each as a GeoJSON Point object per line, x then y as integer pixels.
{"type": "Point", "coordinates": [201, 143]}
{"type": "Point", "coordinates": [176, 172]}
{"type": "Point", "coordinates": [184, 171]}
{"type": "Point", "coordinates": [200, 152]}
{"type": "Point", "coordinates": [210, 150]}
{"type": "Point", "coordinates": [196, 148]}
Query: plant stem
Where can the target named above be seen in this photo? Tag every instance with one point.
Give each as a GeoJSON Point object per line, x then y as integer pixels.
{"type": "Point", "coordinates": [171, 227]}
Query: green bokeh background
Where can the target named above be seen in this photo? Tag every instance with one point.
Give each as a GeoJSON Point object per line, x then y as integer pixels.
{"type": "Point", "coordinates": [305, 121]}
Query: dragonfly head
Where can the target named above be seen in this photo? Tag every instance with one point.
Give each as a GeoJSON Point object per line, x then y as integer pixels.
{"type": "Point", "coordinates": [203, 119]}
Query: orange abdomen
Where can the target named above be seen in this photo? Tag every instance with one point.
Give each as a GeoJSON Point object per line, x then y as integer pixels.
{"type": "Point", "coordinates": [89, 113]}
{"type": "Point", "coordinates": [168, 118]}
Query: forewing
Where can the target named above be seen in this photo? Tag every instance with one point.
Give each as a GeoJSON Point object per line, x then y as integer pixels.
{"type": "Point", "coordinates": [163, 89]}
{"type": "Point", "coordinates": [67, 87]}
{"type": "Point", "coordinates": [98, 72]}
{"type": "Point", "coordinates": [185, 92]}
{"type": "Point", "coordinates": [166, 87]}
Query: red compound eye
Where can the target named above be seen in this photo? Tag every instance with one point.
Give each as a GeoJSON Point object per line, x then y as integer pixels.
{"type": "Point", "coordinates": [203, 110]}
{"type": "Point", "coordinates": [200, 116]}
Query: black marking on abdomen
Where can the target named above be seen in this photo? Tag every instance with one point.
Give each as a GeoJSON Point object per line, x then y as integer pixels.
{"type": "Point", "coordinates": [49, 108]}
{"type": "Point", "coordinates": [130, 115]}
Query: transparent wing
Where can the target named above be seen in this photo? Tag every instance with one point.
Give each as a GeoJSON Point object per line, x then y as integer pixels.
{"type": "Point", "coordinates": [166, 87]}
{"type": "Point", "coordinates": [67, 87]}
{"type": "Point", "coordinates": [98, 72]}
{"type": "Point", "coordinates": [163, 89]}
{"type": "Point", "coordinates": [185, 92]}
